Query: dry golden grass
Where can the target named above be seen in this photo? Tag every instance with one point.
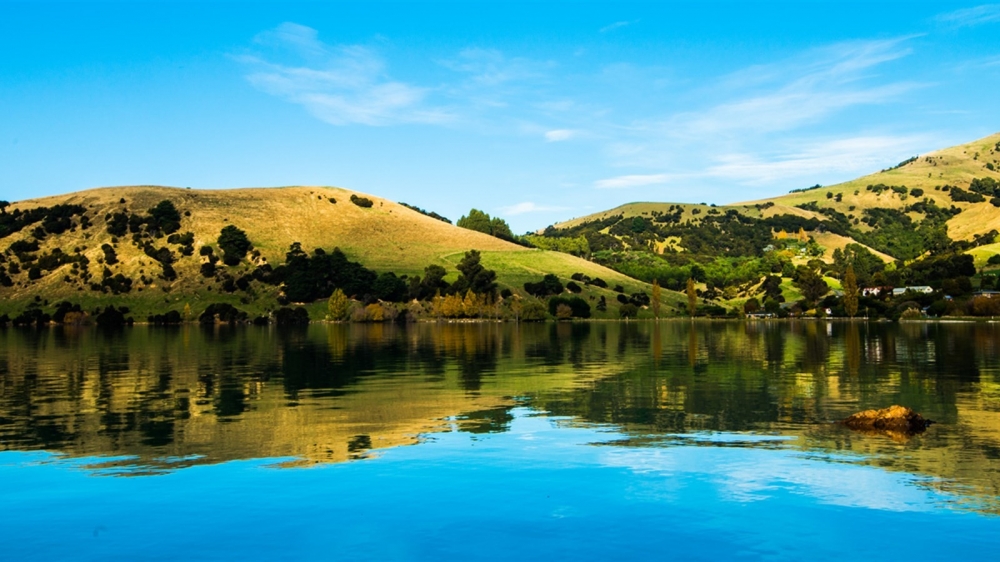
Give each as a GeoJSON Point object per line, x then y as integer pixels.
{"type": "Point", "coordinates": [385, 237]}
{"type": "Point", "coordinates": [956, 166]}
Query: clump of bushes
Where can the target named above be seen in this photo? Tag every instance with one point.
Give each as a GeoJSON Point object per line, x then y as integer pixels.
{"type": "Point", "coordinates": [363, 202]}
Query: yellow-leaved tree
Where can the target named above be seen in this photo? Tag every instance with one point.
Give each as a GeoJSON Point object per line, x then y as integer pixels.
{"type": "Point", "coordinates": [656, 298]}
{"type": "Point", "coordinates": [692, 297]}
{"type": "Point", "coordinates": [338, 305]}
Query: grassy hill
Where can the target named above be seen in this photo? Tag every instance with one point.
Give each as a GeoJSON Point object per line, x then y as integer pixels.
{"type": "Point", "coordinates": [385, 237]}
{"type": "Point", "coordinates": [948, 200]}
{"type": "Point", "coordinates": [956, 166]}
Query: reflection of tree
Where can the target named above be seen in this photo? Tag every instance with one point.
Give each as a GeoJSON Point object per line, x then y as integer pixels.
{"type": "Point", "coordinates": [331, 393]}
{"type": "Point", "coordinates": [852, 349]}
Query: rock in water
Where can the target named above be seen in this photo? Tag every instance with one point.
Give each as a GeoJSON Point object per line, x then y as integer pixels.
{"type": "Point", "coordinates": [892, 419]}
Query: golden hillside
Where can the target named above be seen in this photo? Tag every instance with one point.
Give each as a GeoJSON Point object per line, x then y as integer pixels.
{"type": "Point", "coordinates": [384, 237]}
{"type": "Point", "coordinates": [957, 166]}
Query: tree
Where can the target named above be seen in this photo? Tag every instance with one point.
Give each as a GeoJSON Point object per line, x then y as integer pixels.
{"type": "Point", "coordinates": [471, 304]}
{"type": "Point", "coordinates": [692, 296]}
{"type": "Point", "coordinates": [164, 217]}
{"type": "Point", "coordinates": [234, 245]}
{"type": "Point", "coordinates": [850, 292]}
{"type": "Point", "coordinates": [338, 305]}
{"type": "Point", "coordinates": [656, 299]}
{"type": "Point", "coordinates": [811, 284]}
{"type": "Point", "coordinates": [3, 207]}
{"type": "Point", "coordinates": [564, 312]}
{"type": "Point", "coordinates": [474, 276]}
{"type": "Point", "coordinates": [482, 222]}
{"type": "Point", "coordinates": [751, 306]}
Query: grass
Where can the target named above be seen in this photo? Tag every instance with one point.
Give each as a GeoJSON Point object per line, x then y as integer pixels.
{"type": "Point", "coordinates": [957, 166]}
{"type": "Point", "coordinates": [385, 237]}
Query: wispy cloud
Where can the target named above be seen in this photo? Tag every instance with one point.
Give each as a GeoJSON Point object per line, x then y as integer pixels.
{"type": "Point", "coordinates": [821, 82]}
{"type": "Point", "coordinates": [986, 13]}
{"type": "Point", "coordinates": [761, 128]}
{"type": "Point", "coordinates": [855, 155]}
{"type": "Point", "coordinates": [490, 67]}
{"type": "Point", "coordinates": [635, 180]}
{"type": "Point", "coordinates": [558, 135]}
{"type": "Point", "coordinates": [529, 207]}
{"type": "Point", "coordinates": [345, 84]}
{"type": "Point", "coordinates": [617, 25]}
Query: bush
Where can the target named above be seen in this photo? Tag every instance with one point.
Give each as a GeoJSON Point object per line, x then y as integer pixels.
{"type": "Point", "coordinates": [362, 202]}
{"type": "Point", "coordinates": [533, 311]}
{"type": "Point", "coordinates": [994, 259]}
{"type": "Point", "coordinates": [628, 311]}
{"type": "Point", "coordinates": [112, 317]}
{"type": "Point", "coordinates": [549, 285]}
{"type": "Point", "coordinates": [574, 288]}
{"type": "Point", "coordinates": [222, 312]}
{"type": "Point", "coordinates": [291, 316]}
{"type": "Point", "coordinates": [172, 317]}
{"type": "Point", "coordinates": [579, 308]}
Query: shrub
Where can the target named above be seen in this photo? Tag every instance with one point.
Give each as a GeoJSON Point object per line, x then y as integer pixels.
{"type": "Point", "coordinates": [363, 202]}
{"type": "Point", "coordinates": [579, 308]}
{"type": "Point", "coordinates": [573, 287]}
{"type": "Point", "coordinates": [172, 317]}
{"type": "Point", "coordinates": [549, 285]}
{"type": "Point", "coordinates": [533, 311]}
{"type": "Point", "coordinates": [628, 311]}
{"type": "Point", "coordinates": [222, 312]}
{"type": "Point", "coordinates": [110, 257]}
{"type": "Point", "coordinates": [291, 316]}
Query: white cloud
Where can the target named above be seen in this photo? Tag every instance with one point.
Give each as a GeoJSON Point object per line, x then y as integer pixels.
{"type": "Point", "coordinates": [341, 85]}
{"type": "Point", "coordinates": [529, 207]}
{"type": "Point", "coordinates": [986, 13]}
{"type": "Point", "coordinates": [854, 155]}
{"type": "Point", "coordinates": [822, 82]}
{"type": "Point", "coordinates": [490, 67]}
{"type": "Point", "coordinates": [622, 182]}
{"type": "Point", "coordinates": [558, 135]}
{"type": "Point", "coordinates": [617, 25]}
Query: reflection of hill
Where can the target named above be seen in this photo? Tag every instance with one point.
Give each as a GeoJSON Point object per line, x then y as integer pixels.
{"type": "Point", "coordinates": [332, 393]}
{"type": "Point", "coordinates": [324, 395]}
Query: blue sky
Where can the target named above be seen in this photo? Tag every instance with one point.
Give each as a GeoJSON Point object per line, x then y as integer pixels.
{"type": "Point", "coordinates": [535, 111]}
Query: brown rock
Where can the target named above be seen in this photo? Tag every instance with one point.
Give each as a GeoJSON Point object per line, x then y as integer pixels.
{"type": "Point", "coordinates": [894, 419]}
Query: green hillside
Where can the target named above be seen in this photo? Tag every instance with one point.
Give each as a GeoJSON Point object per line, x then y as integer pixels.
{"type": "Point", "coordinates": [903, 225]}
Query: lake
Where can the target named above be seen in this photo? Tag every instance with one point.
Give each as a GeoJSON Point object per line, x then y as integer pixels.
{"type": "Point", "coordinates": [634, 440]}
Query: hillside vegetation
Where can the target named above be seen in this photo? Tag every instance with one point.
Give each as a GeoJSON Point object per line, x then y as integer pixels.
{"type": "Point", "coordinates": [904, 225]}
{"type": "Point", "coordinates": [111, 246]}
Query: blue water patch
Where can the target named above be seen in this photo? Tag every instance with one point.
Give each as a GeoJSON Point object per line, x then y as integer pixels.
{"type": "Point", "coordinates": [540, 490]}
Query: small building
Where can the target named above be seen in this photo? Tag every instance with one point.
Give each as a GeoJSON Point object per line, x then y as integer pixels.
{"type": "Point", "coordinates": [987, 294]}
{"type": "Point", "coordinates": [875, 291]}
{"type": "Point", "coordinates": [914, 289]}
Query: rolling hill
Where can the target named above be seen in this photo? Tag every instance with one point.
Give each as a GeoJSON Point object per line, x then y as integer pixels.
{"type": "Point", "coordinates": [924, 178]}
{"type": "Point", "coordinates": [386, 236]}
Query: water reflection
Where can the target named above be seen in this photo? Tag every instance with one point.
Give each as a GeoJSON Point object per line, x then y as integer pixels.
{"type": "Point", "coordinates": [167, 398]}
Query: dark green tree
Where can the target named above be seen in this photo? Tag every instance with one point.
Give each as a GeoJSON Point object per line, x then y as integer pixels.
{"type": "Point", "coordinates": [234, 245]}
{"type": "Point", "coordinates": [474, 276]}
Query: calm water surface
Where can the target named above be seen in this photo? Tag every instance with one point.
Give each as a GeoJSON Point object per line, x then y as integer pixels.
{"type": "Point", "coordinates": [677, 440]}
